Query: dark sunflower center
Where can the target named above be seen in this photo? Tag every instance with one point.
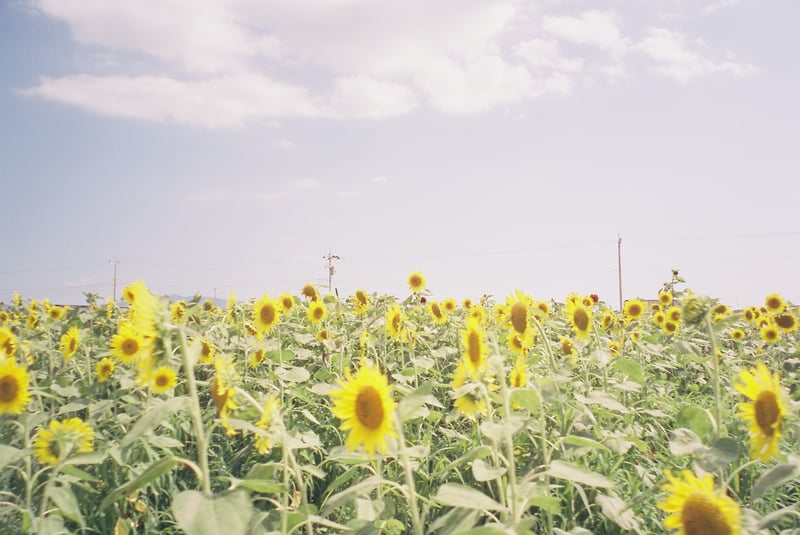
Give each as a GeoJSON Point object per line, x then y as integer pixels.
{"type": "Point", "coordinates": [361, 298]}
{"type": "Point", "coordinates": [767, 412]}
{"type": "Point", "coordinates": [369, 408]}
{"type": "Point", "coordinates": [267, 314]}
{"type": "Point", "coordinates": [415, 281]}
{"type": "Point", "coordinates": [130, 346]}
{"type": "Point", "coordinates": [288, 303]}
{"type": "Point", "coordinates": [669, 327]}
{"type": "Point", "coordinates": [773, 303]}
{"type": "Point", "coordinates": [206, 351]}
{"type": "Point", "coordinates": [396, 322]}
{"type": "Point", "coordinates": [437, 312]}
{"type": "Point", "coordinates": [519, 317]}
{"type": "Point", "coordinates": [785, 321]}
{"type": "Point", "coordinates": [474, 347]}
{"type": "Point", "coordinates": [635, 311]}
{"type": "Point", "coordinates": [162, 380]}
{"type": "Point", "coordinates": [770, 333]}
{"type": "Point", "coordinates": [9, 388]}
{"type": "Point", "coordinates": [318, 313]}
{"type": "Point", "coordinates": [581, 319]}
{"type": "Point", "coordinates": [73, 345]}
{"type": "Point", "coordinates": [9, 346]}
{"type": "Point", "coordinates": [701, 516]}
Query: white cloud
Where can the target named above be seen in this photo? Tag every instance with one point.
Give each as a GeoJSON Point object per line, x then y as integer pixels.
{"type": "Point", "coordinates": [674, 56]}
{"type": "Point", "coordinates": [232, 63]}
{"type": "Point", "coordinates": [593, 27]}
{"type": "Point", "coordinates": [719, 5]}
{"type": "Point", "coordinates": [306, 184]}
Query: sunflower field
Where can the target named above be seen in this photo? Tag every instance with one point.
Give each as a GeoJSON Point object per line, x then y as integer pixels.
{"type": "Point", "coordinates": [375, 414]}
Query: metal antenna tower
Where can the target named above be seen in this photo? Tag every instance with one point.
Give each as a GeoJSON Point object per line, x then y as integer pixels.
{"type": "Point", "coordinates": [330, 257]}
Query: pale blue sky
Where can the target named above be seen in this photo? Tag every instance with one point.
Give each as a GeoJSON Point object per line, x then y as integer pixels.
{"type": "Point", "coordinates": [228, 145]}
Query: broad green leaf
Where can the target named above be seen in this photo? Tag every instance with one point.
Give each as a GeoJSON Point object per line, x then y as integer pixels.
{"type": "Point", "coordinates": [78, 473]}
{"type": "Point", "coordinates": [66, 502]}
{"type": "Point", "coordinates": [73, 406]}
{"type": "Point", "coordinates": [684, 441]}
{"type": "Point", "coordinates": [293, 374]}
{"type": "Point", "coordinates": [584, 442]}
{"type": "Point", "coordinates": [478, 452]}
{"type": "Point", "coordinates": [267, 486]}
{"type": "Point", "coordinates": [551, 504]}
{"type": "Point", "coordinates": [616, 510]}
{"type": "Point", "coordinates": [527, 398]}
{"type": "Point", "coordinates": [485, 472]}
{"type": "Point", "coordinates": [10, 455]}
{"type": "Point", "coordinates": [577, 474]}
{"type": "Point", "coordinates": [197, 514]}
{"type": "Point", "coordinates": [351, 493]}
{"type": "Point", "coordinates": [631, 368]}
{"type": "Point", "coordinates": [413, 405]}
{"type": "Point", "coordinates": [776, 516]}
{"type": "Point", "coordinates": [486, 530]}
{"type": "Point", "coordinates": [454, 521]}
{"type": "Point", "coordinates": [777, 475]}
{"type": "Point", "coordinates": [456, 495]}
{"type": "Point", "coordinates": [152, 418]}
{"type": "Point", "coordinates": [95, 457]}
{"type": "Point", "coordinates": [604, 399]}
{"type": "Point", "coordinates": [695, 418]}
{"type": "Point", "coordinates": [723, 452]}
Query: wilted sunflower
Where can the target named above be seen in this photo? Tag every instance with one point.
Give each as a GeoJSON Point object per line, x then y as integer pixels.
{"type": "Point", "coordinates": [361, 300]}
{"type": "Point", "coordinates": [764, 412]}
{"type": "Point", "coordinates": [695, 507]}
{"type": "Point", "coordinates": [365, 406]}
{"type": "Point", "coordinates": [775, 303]}
{"type": "Point", "coordinates": [163, 380]}
{"type": "Point", "coordinates": [473, 339]}
{"type": "Point", "coordinates": [470, 403]}
{"type": "Point", "coordinates": [310, 291]}
{"type": "Point", "coordinates": [786, 321]}
{"type": "Point", "coordinates": [265, 314]}
{"type": "Point", "coordinates": [69, 343]}
{"type": "Point", "coordinates": [416, 282]}
{"type": "Point", "coordinates": [580, 318]}
{"type": "Point", "coordinates": [128, 345]}
{"type": "Point", "coordinates": [316, 312]}
{"type": "Point", "coordinates": [61, 439]}
{"type": "Point", "coordinates": [104, 369]}
{"type": "Point", "coordinates": [437, 312]}
{"type": "Point", "coordinates": [14, 394]}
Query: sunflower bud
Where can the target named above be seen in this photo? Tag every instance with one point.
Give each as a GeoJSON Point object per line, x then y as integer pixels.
{"type": "Point", "coordinates": [695, 308]}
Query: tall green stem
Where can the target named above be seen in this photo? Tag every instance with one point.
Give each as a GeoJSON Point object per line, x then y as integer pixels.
{"type": "Point", "coordinates": [405, 460]}
{"type": "Point", "coordinates": [715, 373]}
{"type": "Point", "coordinates": [197, 417]}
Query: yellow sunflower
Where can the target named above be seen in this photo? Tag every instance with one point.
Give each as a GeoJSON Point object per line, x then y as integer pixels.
{"type": "Point", "coordinates": [567, 346]}
{"type": "Point", "coordinates": [128, 345]}
{"type": "Point", "coordinates": [14, 394]}
{"type": "Point", "coordinates": [323, 334]}
{"type": "Point", "coordinates": [437, 312]}
{"type": "Point", "coordinates": [519, 305]}
{"type": "Point", "coordinates": [518, 377]}
{"type": "Point", "coordinates": [695, 507]}
{"type": "Point", "coordinates": [633, 310]}
{"type": "Point", "coordinates": [786, 321]}
{"type": "Point", "coordinates": [770, 333]}
{"type": "Point", "coordinates": [55, 312]}
{"type": "Point", "coordinates": [206, 351]}
{"type": "Point", "coordinates": [365, 406]}
{"type": "Point", "coordinates": [316, 312]}
{"type": "Point", "coordinates": [177, 311]}
{"type": "Point", "coordinates": [8, 342]}
{"type": "Point", "coordinates": [69, 343]}
{"type": "Point", "coordinates": [473, 338]}
{"type": "Point", "coordinates": [665, 298]}
{"type": "Point", "coordinates": [416, 282]}
{"type": "Point", "coordinates": [223, 388]}
{"type": "Point", "coordinates": [670, 327]}
{"type": "Point", "coordinates": [520, 344]}
{"type": "Point", "coordinates": [361, 300]}
{"type": "Point", "coordinates": [449, 305]}
{"type": "Point", "coordinates": [775, 303]}
{"type": "Point", "coordinates": [266, 314]}
{"type": "Point", "coordinates": [230, 307]}
{"type": "Point", "coordinates": [286, 303]}
{"type": "Point", "coordinates": [310, 292]}
{"type": "Point", "coordinates": [580, 318]}
{"type": "Point", "coordinates": [61, 439]}
{"type": "Point", "coordinates": [270, 415]}
{"type": "Point", "coordinates": [104, 369]}
{"type": "Point", "coordinates": [4, 317]}
{"type": "Point", "coordinates": [737, 334]}
{"type": "Point", "coordinates": [765, 411]}
{"type": "Point", "coordinates": [674, 314]}
{"type": "Point", "coordinates": [395, 319]}
{"type": "Point", "coordinates": [163, 380]}
{"type": "Point", "coordinates": [257, 357]}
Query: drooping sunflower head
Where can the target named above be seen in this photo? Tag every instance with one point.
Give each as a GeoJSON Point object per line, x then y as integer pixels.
{"type": "Point", "coordinates": [519, 304]}
{"type": "Point", "coordinates": [69, 342]}
{"type": "Point", "coordinates": [14, 393]}
{"type": "Point", "coordinates": [695, 507]}
{"type": "Point", "coordinates": [309, 291]}
{"type": "Point", "coordinates": [365, 406]}
{"type": "Point", "coordinates": [361, 300]}
{"type": "Point", "coordinates": [695, 309]}
{"type": "Point", "coordinates": [416, 282]}
{"type": "Point", "coordinates": [785, 321]}
{"type": "Point", "coordinates": [317, 312]}
{"type": "Point", "coordinates": [775, 303]}
{"type": "Point", "coordinates": [62, 439]}
{"type": "Point", "coordinates": [764, 412]}
{"type": "Point", "coordinates": [266, 314]}
{"type": "Point", "coordinates": [104, 369]}
{"type": "Point", "coordinates": [437, 312]}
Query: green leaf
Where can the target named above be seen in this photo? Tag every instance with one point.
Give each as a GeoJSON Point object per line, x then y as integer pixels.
{"type": "Point", "coordinates": [413, 405]}
{"type": "Point", "coordinates": [95, 457]}
{"type": "Point", "coordinates": [350, 494]}
{"type": "Point", "coordinates": [777, 475]}
{"type": "Point", "coordinates": [197, 514]}
{"type": "Point", "coordinates": [629, 367]}
{"type": "Point", "coordinates": [577, 474]}
{"type": "Point", "coordinates": [456, 495]}
{"type": "Point", "coordinates": [695, 418]}
{"type": "Point", "coordinates": [293, 374]}
{"type": "Point", "coordinates": [604, 399]}
{"type": "Point", "coordinates": [616, 510]}
{"type": "Point", "coordinates": [485, 472]}
{"type": "Point", "coordinates": [684, 441]}
{"type": "Point", "coordinates": [152, 418]}
{"type": "Point", "coordinates": [584, 442]}
{"type": "Point", "coordinates": [66, 502]}
{"type": "Point", "coordinates": [455, 520]}
{"type": "Point", "coordinates": [527, 398]}
{"type": "Point", "coordinates": [266, 486]}
{"type": "Point", "coordinates": [153, 472]}
{"type": "Point", "coordinates": [10, 455]}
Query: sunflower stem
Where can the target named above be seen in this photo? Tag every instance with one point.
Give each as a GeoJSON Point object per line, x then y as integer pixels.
{"type": "Point", "coordinates": [197, 418]}
{"type": "Point", "coordinates": [715, 373]}
{"type": "Point", "coordinates": [405, 460]}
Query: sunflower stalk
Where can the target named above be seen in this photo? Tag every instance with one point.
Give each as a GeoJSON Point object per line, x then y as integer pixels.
{"type": "Point", "coordinates": [716, 373]}
{"type": "Point", "coordinates": [405, 461]}
{"type": "Point", "coordinates": [197, 417]}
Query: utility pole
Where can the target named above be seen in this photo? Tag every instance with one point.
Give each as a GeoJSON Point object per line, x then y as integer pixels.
{"type": "Point", "coordinates": [619, 268]}
{"type": "Point", "coordinates": [116, 263]}
{"type": "Point", "coordinates": [330, 257]}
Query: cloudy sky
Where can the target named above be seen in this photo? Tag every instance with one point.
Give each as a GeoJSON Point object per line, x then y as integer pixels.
{"type": "Point", "coordinates": [213, 146]}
